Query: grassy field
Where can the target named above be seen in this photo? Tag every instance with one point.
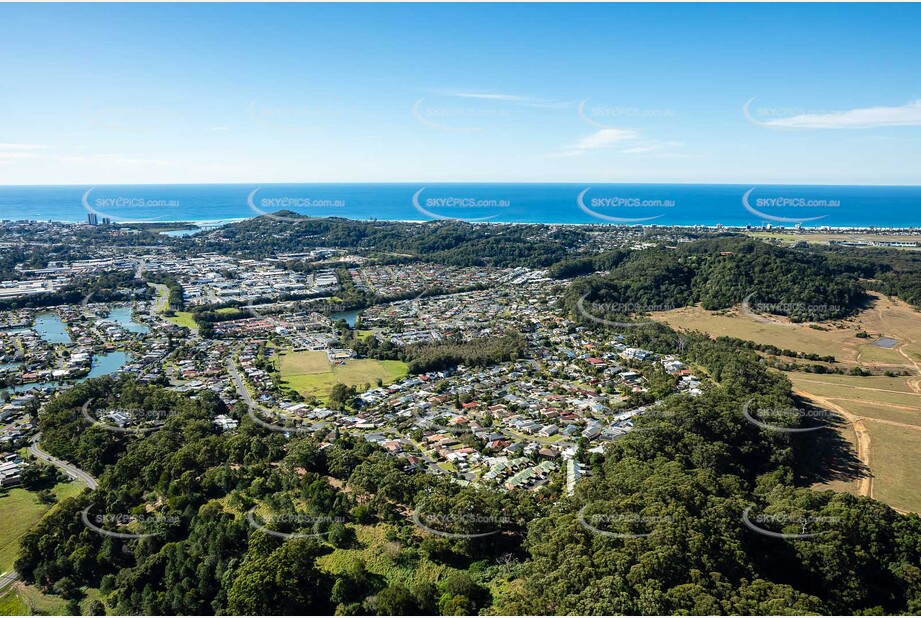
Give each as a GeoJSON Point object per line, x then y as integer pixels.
{"type": "Point", "coordinates": [890, 407]}
{"type": "Point", "coordinates": [883, 412]}
{"type": "Point", "coordinates": [895, 460]}
{"type": "Point", "coordinates": [824, 238]}
{"type": "Point", "coordinates": [310, 373]}
{"type": "Point", "coordinates": [891, 318]}
{"type": "Point", "coordinates": [733, 323]}
{"type": "Point", "coordinates": [22, 600]}
{"type": "Point", "coordinates": [183, 318]}
{"type": "Point", "coordinates": [867, 390]}
{"type": "Point", "coordinates": [299, 363]}
{"type": "Point", "coordinates": [826, 456]}
{"type": "Point", "coordinates": [891, 413]}
{"type": "Point", "coordinates": [19, 511]}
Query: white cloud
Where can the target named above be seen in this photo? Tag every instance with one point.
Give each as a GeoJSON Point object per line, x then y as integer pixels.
{"type": "Point", "coordinates": [488, 95]}
{"type": "Point", "coordinates": [113, 159]}
{"type": "Point", "coordinates": [10, 152]}
{"type": "Point", "coordinates": [610, 138]}
{"type": "Point", "coordinates": [9, 156]}
{"type": "Point", "coordinates": [605, 138]}
{"type": "Point", "coordinates": [565, 153]}
{"type": "Point", "coordinates": [654, 146]}
{"type": "Point", "coordinates": [512, 98]}
{"type": "Point", "coordinates": [11, 146]}
{"type": "Point", "coordinates": [908, 115]}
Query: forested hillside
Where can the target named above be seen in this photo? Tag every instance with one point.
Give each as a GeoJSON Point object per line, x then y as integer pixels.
{"type": "Point", "coordinates": [718, 273]}
{"type": "Point", "coordinates": [446, 242]}
{"type": "Point", "coordinates": [678, 488]}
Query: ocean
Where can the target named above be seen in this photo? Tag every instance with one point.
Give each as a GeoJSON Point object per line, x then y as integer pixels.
{"type": "Point", "coordinates": [630, 204]}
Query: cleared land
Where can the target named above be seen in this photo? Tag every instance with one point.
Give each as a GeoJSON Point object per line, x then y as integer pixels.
{"type": "Point", "coordinates": [884, 413]}
{"type": "Point", "coordinates": [381, 557]}
{"type": "Point", "coordinates": [19, 511]}
{"type": "Point", "coordinates": [823, 239]}
{"type": "Point", "coordinates": [895, 460]}
{"type": "Point", "coordinates": [311, 374]}
{"type": "Point", "coordinates": [838, 338]}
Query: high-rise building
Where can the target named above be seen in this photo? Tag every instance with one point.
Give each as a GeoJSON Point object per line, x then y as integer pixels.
{"type": "Point", "coordinates": [92, 219]}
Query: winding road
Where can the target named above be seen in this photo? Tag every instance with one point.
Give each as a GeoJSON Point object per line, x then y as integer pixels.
{"type": "Point", "coordinates": [73, 471]}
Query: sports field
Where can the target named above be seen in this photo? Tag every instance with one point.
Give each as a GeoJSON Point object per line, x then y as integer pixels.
{"type": "Point", "coordinates": [311, 373]}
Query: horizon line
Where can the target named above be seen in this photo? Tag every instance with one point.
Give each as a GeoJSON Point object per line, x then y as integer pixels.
{"type": "Point", "coordinates": [459, 182]}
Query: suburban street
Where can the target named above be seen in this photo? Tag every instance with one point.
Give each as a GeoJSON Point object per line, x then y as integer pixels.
{"type": "Point", "coordinates": [70, 469]}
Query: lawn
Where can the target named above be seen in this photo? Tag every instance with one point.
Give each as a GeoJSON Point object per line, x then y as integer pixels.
{"type": "Point", "coordinates": [183, 318]}
{"type": "Point", "coordinates": [20, 510]}
{"type": "Point", "coordinates": [310, 373]}
{"type": "Point", "coordinates": [299, 363]}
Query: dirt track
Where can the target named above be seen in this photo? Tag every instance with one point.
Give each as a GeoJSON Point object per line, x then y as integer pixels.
{"type": "Point", "coordinates": [864, 483]}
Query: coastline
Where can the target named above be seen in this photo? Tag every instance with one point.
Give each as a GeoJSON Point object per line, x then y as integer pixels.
{"type": "Point", "coordinates": [210, 224]}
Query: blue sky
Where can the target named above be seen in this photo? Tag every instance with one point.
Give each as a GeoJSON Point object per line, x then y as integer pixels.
{"type": "Point", "coordinates": [825, 94]}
